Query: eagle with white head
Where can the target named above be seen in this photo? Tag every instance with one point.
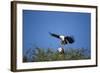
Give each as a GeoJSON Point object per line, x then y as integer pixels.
{"type": "Point", "coordinates": [64, 39]}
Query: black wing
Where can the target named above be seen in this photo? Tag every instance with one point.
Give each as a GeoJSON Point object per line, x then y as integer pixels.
{"type": "Point", "coordinates": [69, 39]}
{"type": "Point", "coordinates": [54, 35]}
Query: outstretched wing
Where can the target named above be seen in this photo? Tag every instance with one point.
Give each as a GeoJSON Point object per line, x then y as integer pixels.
{"type": "Point", "coordinates": [70, 39]}
{"type": "Point", "coordinates": [54, 35]}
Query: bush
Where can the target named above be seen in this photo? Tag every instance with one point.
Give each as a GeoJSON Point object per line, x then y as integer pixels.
{"type": "Point", "coordinates": [39, 55]}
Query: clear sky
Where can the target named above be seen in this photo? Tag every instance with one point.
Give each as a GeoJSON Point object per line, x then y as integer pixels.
{"type": "Point", "coordinates": [38, 24]}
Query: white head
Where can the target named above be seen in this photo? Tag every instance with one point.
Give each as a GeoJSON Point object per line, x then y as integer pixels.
{"type": "Point", "coordinates": [59, 49]}
{"type": "Point", "coordinates": [62, 37]}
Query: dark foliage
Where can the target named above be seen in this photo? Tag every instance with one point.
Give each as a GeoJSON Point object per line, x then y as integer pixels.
{"type": "Point", "coordinates": [39, 55]}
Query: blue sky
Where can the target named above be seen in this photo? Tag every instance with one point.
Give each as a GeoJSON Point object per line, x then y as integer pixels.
{"type": "Point", "coordinates": [38, 24]}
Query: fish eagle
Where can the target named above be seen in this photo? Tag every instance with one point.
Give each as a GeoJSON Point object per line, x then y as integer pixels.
{"type": "Point", "coordinates": [64, 39]}
{"type": "Point", "coordinates": [61, 50]}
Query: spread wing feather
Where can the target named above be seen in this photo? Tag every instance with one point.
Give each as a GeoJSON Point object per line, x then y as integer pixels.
{"type": "Point", "coordinates": [69, 39]}
{"type": "Point", "coordinates": [54, 35]}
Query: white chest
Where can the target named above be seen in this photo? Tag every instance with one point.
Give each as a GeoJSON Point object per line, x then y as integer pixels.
{"type": "Point", "coordinates": [62, 37]}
